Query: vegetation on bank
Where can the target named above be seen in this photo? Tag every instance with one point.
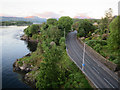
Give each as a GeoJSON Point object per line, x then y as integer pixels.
{"type": "Point", "coordinates": [54, 67]}
{"type": "Point", "coordinates": [18, 23]}
{"type": "Point", "coordinates": [103, 36]}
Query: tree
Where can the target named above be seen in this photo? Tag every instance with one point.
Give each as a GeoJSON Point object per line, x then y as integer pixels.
{"type": "Point", "coordinates": [106, 20]}
{"type": "Point", "coordinates": [49, 74]}
{"type": "Point", "coordinates": [114, 36]}
{"type": "Point", "coordinates": [54, 34]}
{"type": "Point", "coordinates": [75, 26]}
{"type": "Point", "coordinates": [85, 27]}
{"type": "Point", "coordinates": [32, 29]}
{"type": "Point", "coordinates": [51, 21]}
{"type": "Point", "coordinates": [65, 22]}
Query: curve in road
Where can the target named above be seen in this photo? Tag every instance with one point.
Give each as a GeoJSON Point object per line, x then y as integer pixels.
{"type": "Point", "coordinates": [98, 73]}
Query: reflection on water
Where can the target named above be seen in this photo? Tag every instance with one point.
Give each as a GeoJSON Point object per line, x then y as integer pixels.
{"type": "Point", "coordinates": [12, 48]}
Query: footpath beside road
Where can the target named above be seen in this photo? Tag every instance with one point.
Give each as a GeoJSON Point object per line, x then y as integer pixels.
{"type": "Point", "coordinates": [94, 70]}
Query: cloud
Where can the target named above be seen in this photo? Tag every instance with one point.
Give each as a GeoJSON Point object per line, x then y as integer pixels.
{"type": "Point", "coordinates": [6, 15]}
{"type": "Point", "coordinates": [82, 16]}
{"type": "Point", "coordinates": [61, 11]}
{"type": "Point", "coordinates": [48, 15]}
{"type": "Point", "coordinates": [3, 14]}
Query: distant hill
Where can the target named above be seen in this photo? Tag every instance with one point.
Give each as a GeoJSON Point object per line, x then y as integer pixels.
{"type": "Point", "coordinates": [33, 19]}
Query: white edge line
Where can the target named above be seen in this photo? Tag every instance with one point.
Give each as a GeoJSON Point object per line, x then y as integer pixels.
{"type": "Point", "coordinates": [108, 82]}
{"type": "Point", "coordinates": [81, 69]}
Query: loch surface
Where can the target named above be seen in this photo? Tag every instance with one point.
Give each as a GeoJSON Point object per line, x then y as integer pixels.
{"type": "Point", "coordinates": [12, 48]}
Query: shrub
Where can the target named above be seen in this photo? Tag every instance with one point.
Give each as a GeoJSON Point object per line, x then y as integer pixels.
{"type": "Point", "coordinates": [35, 36]}
{"type": "Point", "coordinates": [111, 58]}
{"type": "Point", "coordinates": [86, 39]}
{"type": "Point", "coordinates": [116, 61]}
{"type": "Point", "coordinates": [97, 47]}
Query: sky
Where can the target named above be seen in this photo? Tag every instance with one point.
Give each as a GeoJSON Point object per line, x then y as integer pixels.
{"type": "Point", "coordinates": [57, 8]}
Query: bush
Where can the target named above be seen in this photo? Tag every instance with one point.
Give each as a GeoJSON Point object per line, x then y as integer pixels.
{"type": "Point", "coordinates": [35, 36]}
{"type": "Point", "coordinates": [114, 36]}
{"type": "Point", "coordinates": [31, 30]}
{"type": "Point", "coordinates": [97, 47]}
{"type": "Point", "coordinates": [116, 61]}
{"type": "Point", "coordinates": [85, 27]}
{"type": "Point", "coordinates": [51, 21]}
{"type": "Point", "coordinates": [103, 54]}
{"type": "Point", "coordinates": [111, 58]}
{"type": "Point", "coordinates": [86, 39]}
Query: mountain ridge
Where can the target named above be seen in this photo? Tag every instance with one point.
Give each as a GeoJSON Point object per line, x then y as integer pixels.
{"type": "Point", "coordinates": [33, 19]}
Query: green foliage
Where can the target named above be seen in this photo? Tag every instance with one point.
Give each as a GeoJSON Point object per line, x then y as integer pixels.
{"type": "Point", "coordinates": [117, 61]}
{"type": "Point", "coordinates": [62, 43]}
{"type": "Point", "coordinates": [20, 62]}
{"type": "Point", "coordinates": [97, 45]}
{"type": "Point", "coordinates": [56, 66]}
{"type": "Point", "coordinates": [51, 21]}
{"type": "Point", "coordinates": [54, 34]}
{"type": "Point", "coordinates": [106, 40]}
{"type": "Point", "coordinates": [31, 30]}
{"type": "Point", "coordinates": [104, 23]}
{"type": "Point", "coordinates": [49, 71]}
{"type": "Point", "coordinates": [94, 42]}
{"type": "Point", "coordinates": [85, 27]}
{"type": "Point", "coordinates": [82, 32]}
{"type": "Point", "coordinates": [114, 37]}
{"type": "Point", "coordinates": [35, 36]}
{"type": "Point", "coordinates": [75, 26]}
{"type": "Point", "coordinates": [56, 70]}
{"type": "Point", "coordinates": [65, 22]}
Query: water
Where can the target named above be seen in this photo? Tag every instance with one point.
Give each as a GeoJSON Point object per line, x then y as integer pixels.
{"type": "Point", "coordinates": [12, 48]}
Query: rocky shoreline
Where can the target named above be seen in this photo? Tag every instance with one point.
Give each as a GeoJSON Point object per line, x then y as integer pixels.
{"type": "Point", "coordinates": [26, 38]}
{"type": "Point", "coordinates": [29, 70]}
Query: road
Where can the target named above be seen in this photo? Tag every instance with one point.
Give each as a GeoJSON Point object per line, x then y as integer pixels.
{"type": "Point", "coordinates": [95, 71]}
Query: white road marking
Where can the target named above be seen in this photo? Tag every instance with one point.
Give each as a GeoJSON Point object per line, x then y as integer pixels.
{"type": "Point", "coordinates": [95, 70]}
{"type": "Point", "coordinates": [110, 74]}
{"type": "Point", "coordinates": [81, 69]}
{"type": "Point", "coordinates": [100, 65]}
{"type": "Point", "coordinates": [108, 82]}
{"type": "Point", "coordinates": [87, 61]}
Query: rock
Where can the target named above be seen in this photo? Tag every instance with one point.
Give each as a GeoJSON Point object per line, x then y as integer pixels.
{"type": "Point", "coordinates": [35, 68]}
{"type": "Point", "coordinates": [82, 38]}
{"type": "Point", "coordinates": [26, 68]}
{"type": "Point", "coordinates": [28, 55]}
{"type": "Point", "coordinates": [16, 66]}
{"type": "Point", "coordinates": [93, 34]}
{"type": "Point", "coordinates": [24, 37]}
{"type": "Point", "coordinates": [30, 79]}
{"type": "Point", "coordinates": [52, 43]}
{"type": "Point", "coordinates": [23, 67]}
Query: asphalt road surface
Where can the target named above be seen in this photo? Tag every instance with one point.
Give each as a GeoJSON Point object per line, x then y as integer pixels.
{"type": "Point", "coordinates": [96, 72]}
